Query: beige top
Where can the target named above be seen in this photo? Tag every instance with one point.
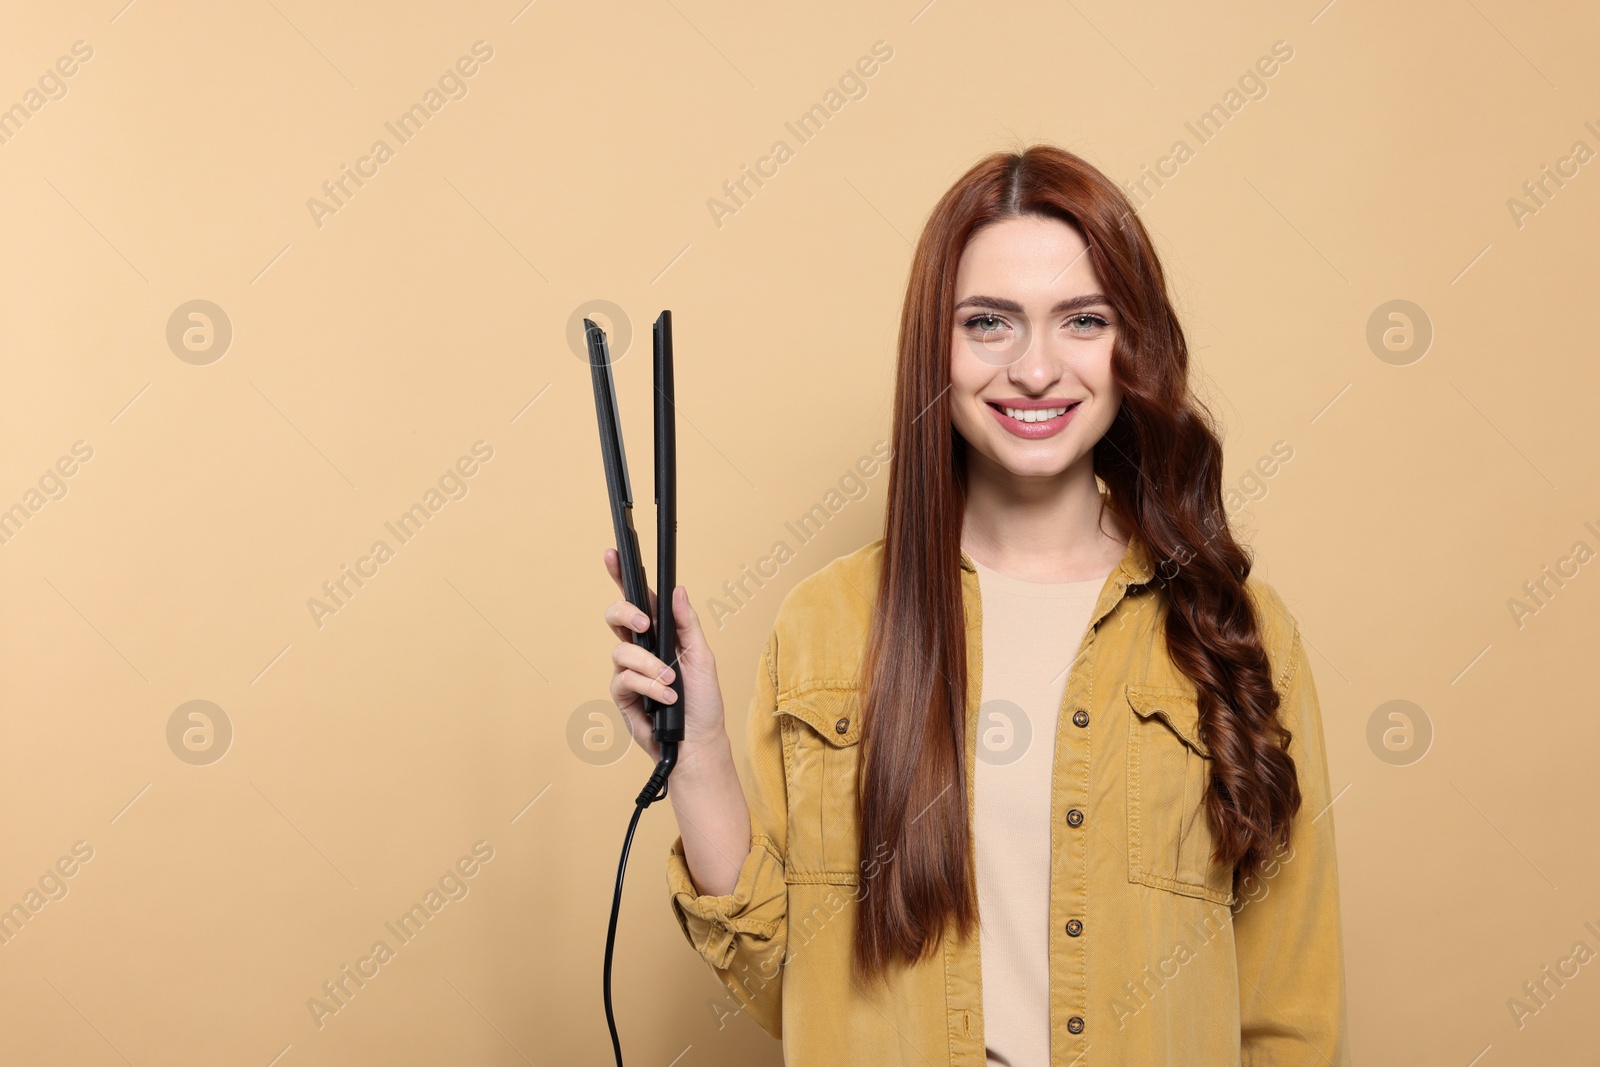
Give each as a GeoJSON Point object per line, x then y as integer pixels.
{"type": "Point", "coordinates": [1031, 634]}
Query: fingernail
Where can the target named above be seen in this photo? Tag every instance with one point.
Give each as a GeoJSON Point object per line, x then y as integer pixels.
{"type": "Point", "coordinates": [665, 675]}
{"type": "Point", "coordinates": [641, 623]}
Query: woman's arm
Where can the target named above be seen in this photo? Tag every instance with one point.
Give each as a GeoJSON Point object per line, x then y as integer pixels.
{"type": "Point", "coordinates": [733, 847]}
{"type": "Point", "coordinates": [1287, 929]}
{"type": "Point", "coordinates": [713, 821]}
{"type": "Point", "coordinates": [735, 851]}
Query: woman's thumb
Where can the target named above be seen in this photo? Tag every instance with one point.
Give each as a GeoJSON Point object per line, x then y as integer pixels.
{"type": "Point", "coordinates": [690, 638]}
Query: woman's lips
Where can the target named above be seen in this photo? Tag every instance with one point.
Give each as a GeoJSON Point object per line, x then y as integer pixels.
{"type": "Point", "coordinates": [1034, 431]}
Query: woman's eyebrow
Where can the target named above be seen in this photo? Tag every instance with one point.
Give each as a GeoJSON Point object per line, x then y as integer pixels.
{"type": "Point", "coordinates": [1076, 303]}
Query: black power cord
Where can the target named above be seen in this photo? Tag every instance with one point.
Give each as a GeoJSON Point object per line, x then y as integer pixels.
{"type": "Point", "coordinates": [655, 789]}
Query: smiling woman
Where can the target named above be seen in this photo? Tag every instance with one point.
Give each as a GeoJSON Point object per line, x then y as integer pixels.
{"type": "Point", "coordinates": [1057, 560]}
{"type": "Point", "coordinates": [998, 334]}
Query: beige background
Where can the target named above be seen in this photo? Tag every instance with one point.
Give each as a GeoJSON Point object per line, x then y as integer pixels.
{"type": "Point", "coordinates": [432, 711]}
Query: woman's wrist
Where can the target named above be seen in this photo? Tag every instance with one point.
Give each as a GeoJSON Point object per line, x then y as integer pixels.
{"type": "Point", "coordinates": [710, 758]}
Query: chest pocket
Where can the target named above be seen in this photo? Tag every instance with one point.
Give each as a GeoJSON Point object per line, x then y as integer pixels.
{"type": "Point", "coordinates": [1170, 839]}
{"type": "Point", "coordinates": [821, 731]}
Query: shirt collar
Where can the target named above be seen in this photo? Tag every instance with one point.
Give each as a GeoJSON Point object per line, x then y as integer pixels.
{"type": "Point", "coordinates": [1136, 568]}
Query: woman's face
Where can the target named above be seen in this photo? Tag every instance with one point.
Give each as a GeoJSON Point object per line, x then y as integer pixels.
{"type": "Point", "coordinates": [1030, 355]}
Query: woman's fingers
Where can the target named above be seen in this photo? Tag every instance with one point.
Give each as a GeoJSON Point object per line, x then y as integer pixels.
{"type": "Point", "coordinates": [626, 620]}
{"type": "Point", "coordinates": [628, 656]}
{"type": "Point", "coordinates": [639, 726]}
{"type": "Point", "coordinates": [622, 616]}
{"type": "Point", "coordinates": [614, 568]}
{"type": "Point", "coordinates": [638, 673]}
{"type": "Point", "coordinates": [625, 682]}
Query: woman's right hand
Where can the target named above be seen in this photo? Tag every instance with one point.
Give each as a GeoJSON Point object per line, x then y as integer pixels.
{"type": "Point", "coordinates": [636, 673]}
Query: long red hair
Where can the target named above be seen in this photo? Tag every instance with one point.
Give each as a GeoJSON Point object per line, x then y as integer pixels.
{"type": "Point", "coordinates": [1161, 462]}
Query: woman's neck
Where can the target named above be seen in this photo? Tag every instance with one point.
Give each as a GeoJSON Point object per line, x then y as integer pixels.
{"type": "Point", "coordinates": [1041, 529]}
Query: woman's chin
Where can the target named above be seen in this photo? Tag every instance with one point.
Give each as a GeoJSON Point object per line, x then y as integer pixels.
{"type": "Point", "coordinates": [1033, 462]}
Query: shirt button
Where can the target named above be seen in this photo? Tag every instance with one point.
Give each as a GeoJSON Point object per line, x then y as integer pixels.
{"type": "Point", "coordinates": [1074, 927]}
{"type": "Point", "coordinates": [1075, 1023]}
{"type": "Point", "coordinates": [1074, 817]}
{"type": "Point", "coordinates": [841, 726]}
{"type": "Point", "coordinates": [1080, 718]}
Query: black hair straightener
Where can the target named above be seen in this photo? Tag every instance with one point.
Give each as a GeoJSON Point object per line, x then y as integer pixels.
{"type": "Point", "coordinates": [662, 636]}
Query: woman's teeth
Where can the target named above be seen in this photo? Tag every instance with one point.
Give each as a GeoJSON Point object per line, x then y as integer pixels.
{"type": "Point", "coordinates": [1034, 414]}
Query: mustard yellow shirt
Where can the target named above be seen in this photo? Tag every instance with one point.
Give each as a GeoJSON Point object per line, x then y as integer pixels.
{"type": "Point", "coordinates": [1167, 964]}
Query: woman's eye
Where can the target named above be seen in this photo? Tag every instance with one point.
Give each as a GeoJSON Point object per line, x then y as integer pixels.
{"type": "Point", "coordinates": [1086, 322]}
{"type": "Point", "coordinates": [985, 324]}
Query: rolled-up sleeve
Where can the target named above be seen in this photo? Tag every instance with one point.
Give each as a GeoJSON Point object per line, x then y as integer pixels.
{"type": "Point", "coordinates": [743, 934]}
{"type": "Point", "coordinates": [1287, 931]}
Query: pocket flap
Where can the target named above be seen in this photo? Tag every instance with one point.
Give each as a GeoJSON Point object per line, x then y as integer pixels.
{"type": "Point", "coordinates": [833, 713]}
{"type": "Point", "coordinates": [1178, 709]}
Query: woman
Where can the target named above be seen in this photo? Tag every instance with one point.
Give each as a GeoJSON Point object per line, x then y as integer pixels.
{"type": "Point", "coordinates": [1050, 696]}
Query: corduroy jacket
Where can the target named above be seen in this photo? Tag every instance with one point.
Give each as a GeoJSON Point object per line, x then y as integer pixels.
{"type": "Point", "coordinates": [1154, 958]}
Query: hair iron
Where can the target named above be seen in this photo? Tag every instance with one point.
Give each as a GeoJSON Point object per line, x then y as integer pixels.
{"type": "Point", "coordinates": [661, 638]}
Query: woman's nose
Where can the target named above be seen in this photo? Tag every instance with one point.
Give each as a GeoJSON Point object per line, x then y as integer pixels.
{"type": "Point", "coordinates": [1038, 366]}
